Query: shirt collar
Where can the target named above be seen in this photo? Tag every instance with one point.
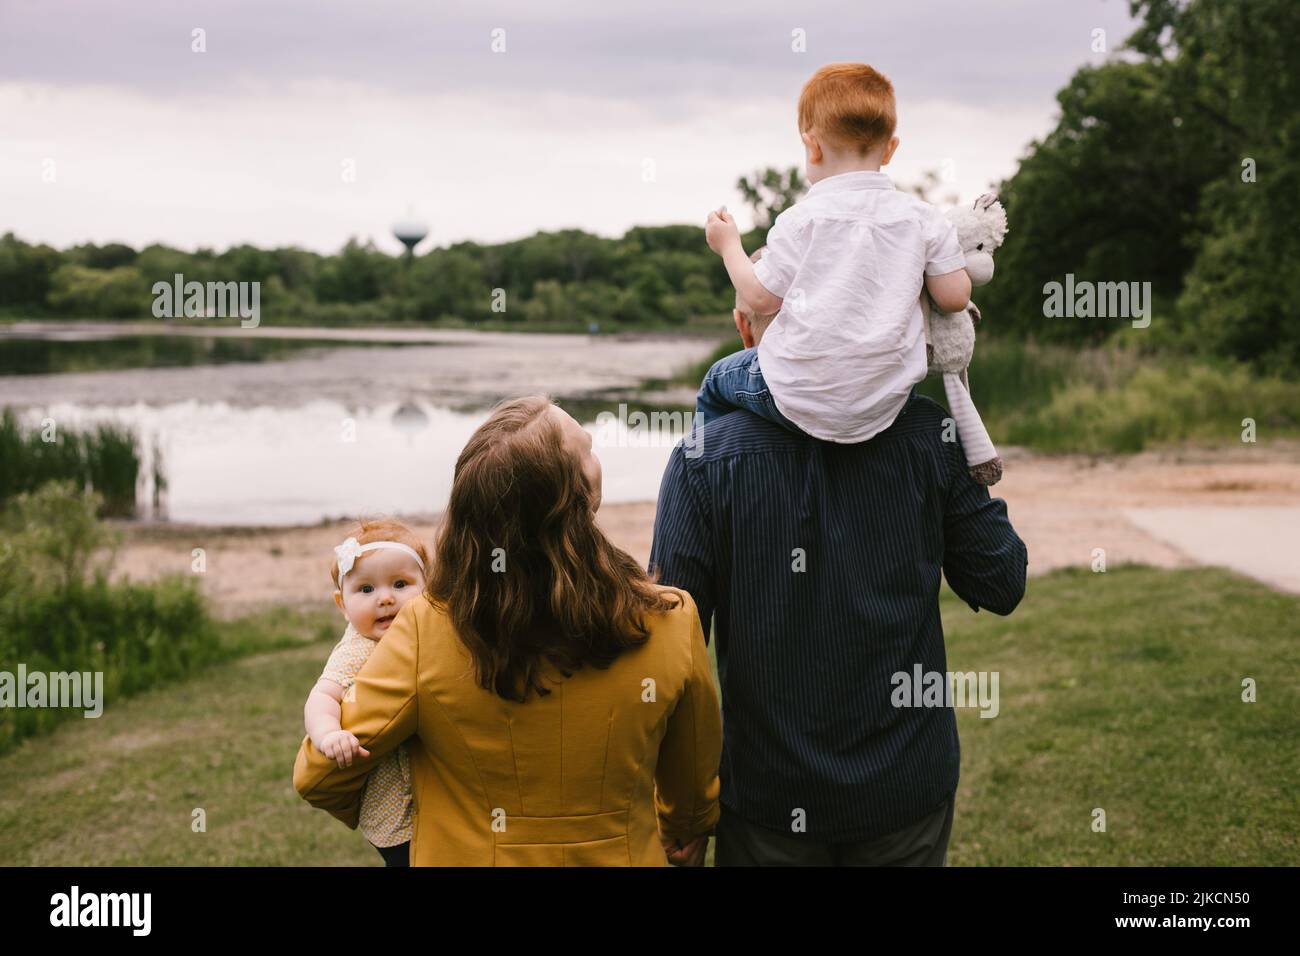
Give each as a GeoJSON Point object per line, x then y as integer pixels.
{"type": "Point", "coordinates": [857, 179]}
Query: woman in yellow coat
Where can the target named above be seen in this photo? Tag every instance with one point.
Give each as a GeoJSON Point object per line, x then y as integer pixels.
{"type": "Point", "coordinates": [559, 704]}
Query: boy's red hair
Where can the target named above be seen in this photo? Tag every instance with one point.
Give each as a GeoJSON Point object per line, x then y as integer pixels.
{"type": "Point", "coordinates": [849, 106]}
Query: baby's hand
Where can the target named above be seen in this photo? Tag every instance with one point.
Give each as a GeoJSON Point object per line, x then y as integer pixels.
{"type": "Point", "coordinates": [342, 747]}
{"type": "Point", "coordinates": [720, 231]}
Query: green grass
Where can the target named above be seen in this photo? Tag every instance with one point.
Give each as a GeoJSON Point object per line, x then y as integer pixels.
{"type": "Point", "coordinates": [139, 637]}
{"type": "Point", "coordinates": [122, 789]}
{"type": "Point", "coordinates": [1123, 691]}
{"type": "Point", "coordinates": [1118, 690]}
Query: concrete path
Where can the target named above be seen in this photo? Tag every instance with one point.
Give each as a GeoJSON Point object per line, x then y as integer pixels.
{"type": "Point", "coordinates": [1263, 542]}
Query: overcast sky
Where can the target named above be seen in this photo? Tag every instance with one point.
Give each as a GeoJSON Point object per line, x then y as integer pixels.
{"type": "Point", "coordinates": [305, 123]}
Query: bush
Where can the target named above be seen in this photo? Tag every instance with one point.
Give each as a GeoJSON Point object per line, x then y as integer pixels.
{"type": "Point", "coordinates": [59, 613]}
{"type": "Point", "coordinates": [1119, 398]}
{"type": "Point", "coordinates": [1174, 401]}
{"type": "Point", "coordinates": [118, 293]}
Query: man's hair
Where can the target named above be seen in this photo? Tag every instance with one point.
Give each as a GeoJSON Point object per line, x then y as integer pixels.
{"type": "Point", "coordinates": [382, 529]}
{"type": "Point", "coordinates": [757, 323]}
{"type": "Point", "coordinates": [850, 106]}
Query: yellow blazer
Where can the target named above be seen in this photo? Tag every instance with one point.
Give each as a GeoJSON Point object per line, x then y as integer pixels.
{"type": "Point", "coordinates": [587, 776]}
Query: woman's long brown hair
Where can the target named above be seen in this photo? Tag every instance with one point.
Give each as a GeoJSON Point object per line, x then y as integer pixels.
{"type": "Point", "coordinates": [521, 567]}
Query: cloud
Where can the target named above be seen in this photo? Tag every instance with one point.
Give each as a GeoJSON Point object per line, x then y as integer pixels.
{"type": "Point", "coordinates": [246, 142]}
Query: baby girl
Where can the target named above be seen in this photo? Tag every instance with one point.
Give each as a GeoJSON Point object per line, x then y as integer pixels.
{"type": "Point", "coordinates": [376, 572]}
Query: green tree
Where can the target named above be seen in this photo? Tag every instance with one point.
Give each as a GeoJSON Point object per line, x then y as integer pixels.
{"type": "Point", "coordinates": [119, 293]}
{"type": "Point", "coordinates": [359, 273]}
{"type": "Point", "coordinates": [109, 256]}
{"type": "Point", "coordinates": [1236, 65]}
{"type": "Point", "coordinates": [26, 274]}
{"type": "Point", "coordinates": [769, 192]}
{"type": "Point", "coordinates": [1146, 178]}
{"type": "Point", "coordinates": [449, 282]}
{"type": "Point", "coordinates": [57, 530]}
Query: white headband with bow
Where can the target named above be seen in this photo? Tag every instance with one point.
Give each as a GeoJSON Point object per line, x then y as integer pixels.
{"type": "Point", "coordinates": [348, 552]}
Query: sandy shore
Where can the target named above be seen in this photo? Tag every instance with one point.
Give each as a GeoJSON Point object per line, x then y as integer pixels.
{"type": "Point", "coordinates": [1063, 507]}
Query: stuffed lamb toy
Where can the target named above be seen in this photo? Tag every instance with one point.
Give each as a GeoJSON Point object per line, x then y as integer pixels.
{"type": "Point", "coordinates": [950, 337]}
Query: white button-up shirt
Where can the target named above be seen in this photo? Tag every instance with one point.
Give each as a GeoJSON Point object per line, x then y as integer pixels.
{"type": "Point", "coordinates": [848, 344]}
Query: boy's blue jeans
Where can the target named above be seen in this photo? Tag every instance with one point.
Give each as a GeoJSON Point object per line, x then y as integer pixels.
{"type": "Point", "coordinates": [737, 382]}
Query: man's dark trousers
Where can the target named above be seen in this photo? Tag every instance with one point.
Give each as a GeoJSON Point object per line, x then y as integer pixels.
{"type": "Point", "coordinates": [924, 843]}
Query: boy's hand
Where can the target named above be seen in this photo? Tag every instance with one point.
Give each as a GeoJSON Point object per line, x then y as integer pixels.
{"type": "Point", "coordinates": [720, 231]}
{"type": "Point", "coordinates": [342, 747]}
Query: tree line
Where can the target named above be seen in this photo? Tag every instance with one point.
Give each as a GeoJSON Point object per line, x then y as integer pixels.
{"type": "Point", "coordinates": [1175, 162]}
{"type": "Point", "coordinates": [651, 275]}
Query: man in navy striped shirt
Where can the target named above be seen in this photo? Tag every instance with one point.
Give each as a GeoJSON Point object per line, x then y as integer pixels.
{"type": "Point", "coordinates": [819, 564]}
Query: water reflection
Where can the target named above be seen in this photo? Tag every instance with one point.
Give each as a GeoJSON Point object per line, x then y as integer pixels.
{"type": "Point", "coordinates": [410, 419]}
{"type": "Point", "coordinates": [283, 466]}
{"type": "Point", "coordinates": [83, 352]}
{"type": "Point", "coordinates": [342, 431]}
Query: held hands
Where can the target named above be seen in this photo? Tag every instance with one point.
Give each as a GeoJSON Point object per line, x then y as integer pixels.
{"type": "Point", "coordinates": [720, 231]}
{"type": "Point", "coordinates": [342, 747]}
{"type": "Point", "coordinates": [691, 853]}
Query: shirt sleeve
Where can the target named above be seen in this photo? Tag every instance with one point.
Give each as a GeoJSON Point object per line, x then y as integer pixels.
{"type": "Point", "coordinates": [942, 249]}
{"type": "Point", "coordinates": [782, 255]}
{"type": "Point", "coordinates": [686, 776]}
{"type": "Point", "coordinates": [384, 714]}
{"type": "Point", "coordinates": [984, 560]}
{"type": "Point", "coordinates": [681, 550]}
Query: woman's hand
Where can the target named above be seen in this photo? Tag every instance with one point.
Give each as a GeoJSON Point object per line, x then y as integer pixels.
{"type": "Point", "coordinates": [691, 853]}
{"type": "Point", "coordinates": [342, 747]}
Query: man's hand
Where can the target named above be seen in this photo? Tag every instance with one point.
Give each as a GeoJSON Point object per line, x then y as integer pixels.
{"type": "Point", "coordinates": [342, 747]}
{"type": "Point", "coordinates": [689, 854]}
{"type": "Point", "coordinates": [720, 231]}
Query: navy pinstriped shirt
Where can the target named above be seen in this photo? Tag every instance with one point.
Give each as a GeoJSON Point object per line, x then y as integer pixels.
{"type": "Point", "coordinates": [820, 564]}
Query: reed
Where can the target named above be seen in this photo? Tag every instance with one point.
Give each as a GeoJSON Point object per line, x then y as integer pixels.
{"type": "Point", "coordinates": [105, 459]}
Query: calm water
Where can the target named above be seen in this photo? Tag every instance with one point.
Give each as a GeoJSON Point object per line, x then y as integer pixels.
{"type": "Point", "coordinates": [331, 430]}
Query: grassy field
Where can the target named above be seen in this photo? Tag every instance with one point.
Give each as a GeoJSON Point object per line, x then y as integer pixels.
{"type": "Point", "coordinates": [1119, 690]}
{"type": "Point", "coordinates": [121, 790]}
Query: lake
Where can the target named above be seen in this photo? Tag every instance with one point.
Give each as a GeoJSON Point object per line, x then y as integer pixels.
{"type": "Point", "coordinates": [315, 424]}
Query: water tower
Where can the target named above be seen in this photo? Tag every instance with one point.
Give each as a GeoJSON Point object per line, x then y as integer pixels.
{"type": "Point", "coordinates": [410, 232]}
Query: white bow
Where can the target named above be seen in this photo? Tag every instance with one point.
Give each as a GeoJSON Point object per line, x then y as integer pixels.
{"type": "Point", "coordinates": [347, 554]}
